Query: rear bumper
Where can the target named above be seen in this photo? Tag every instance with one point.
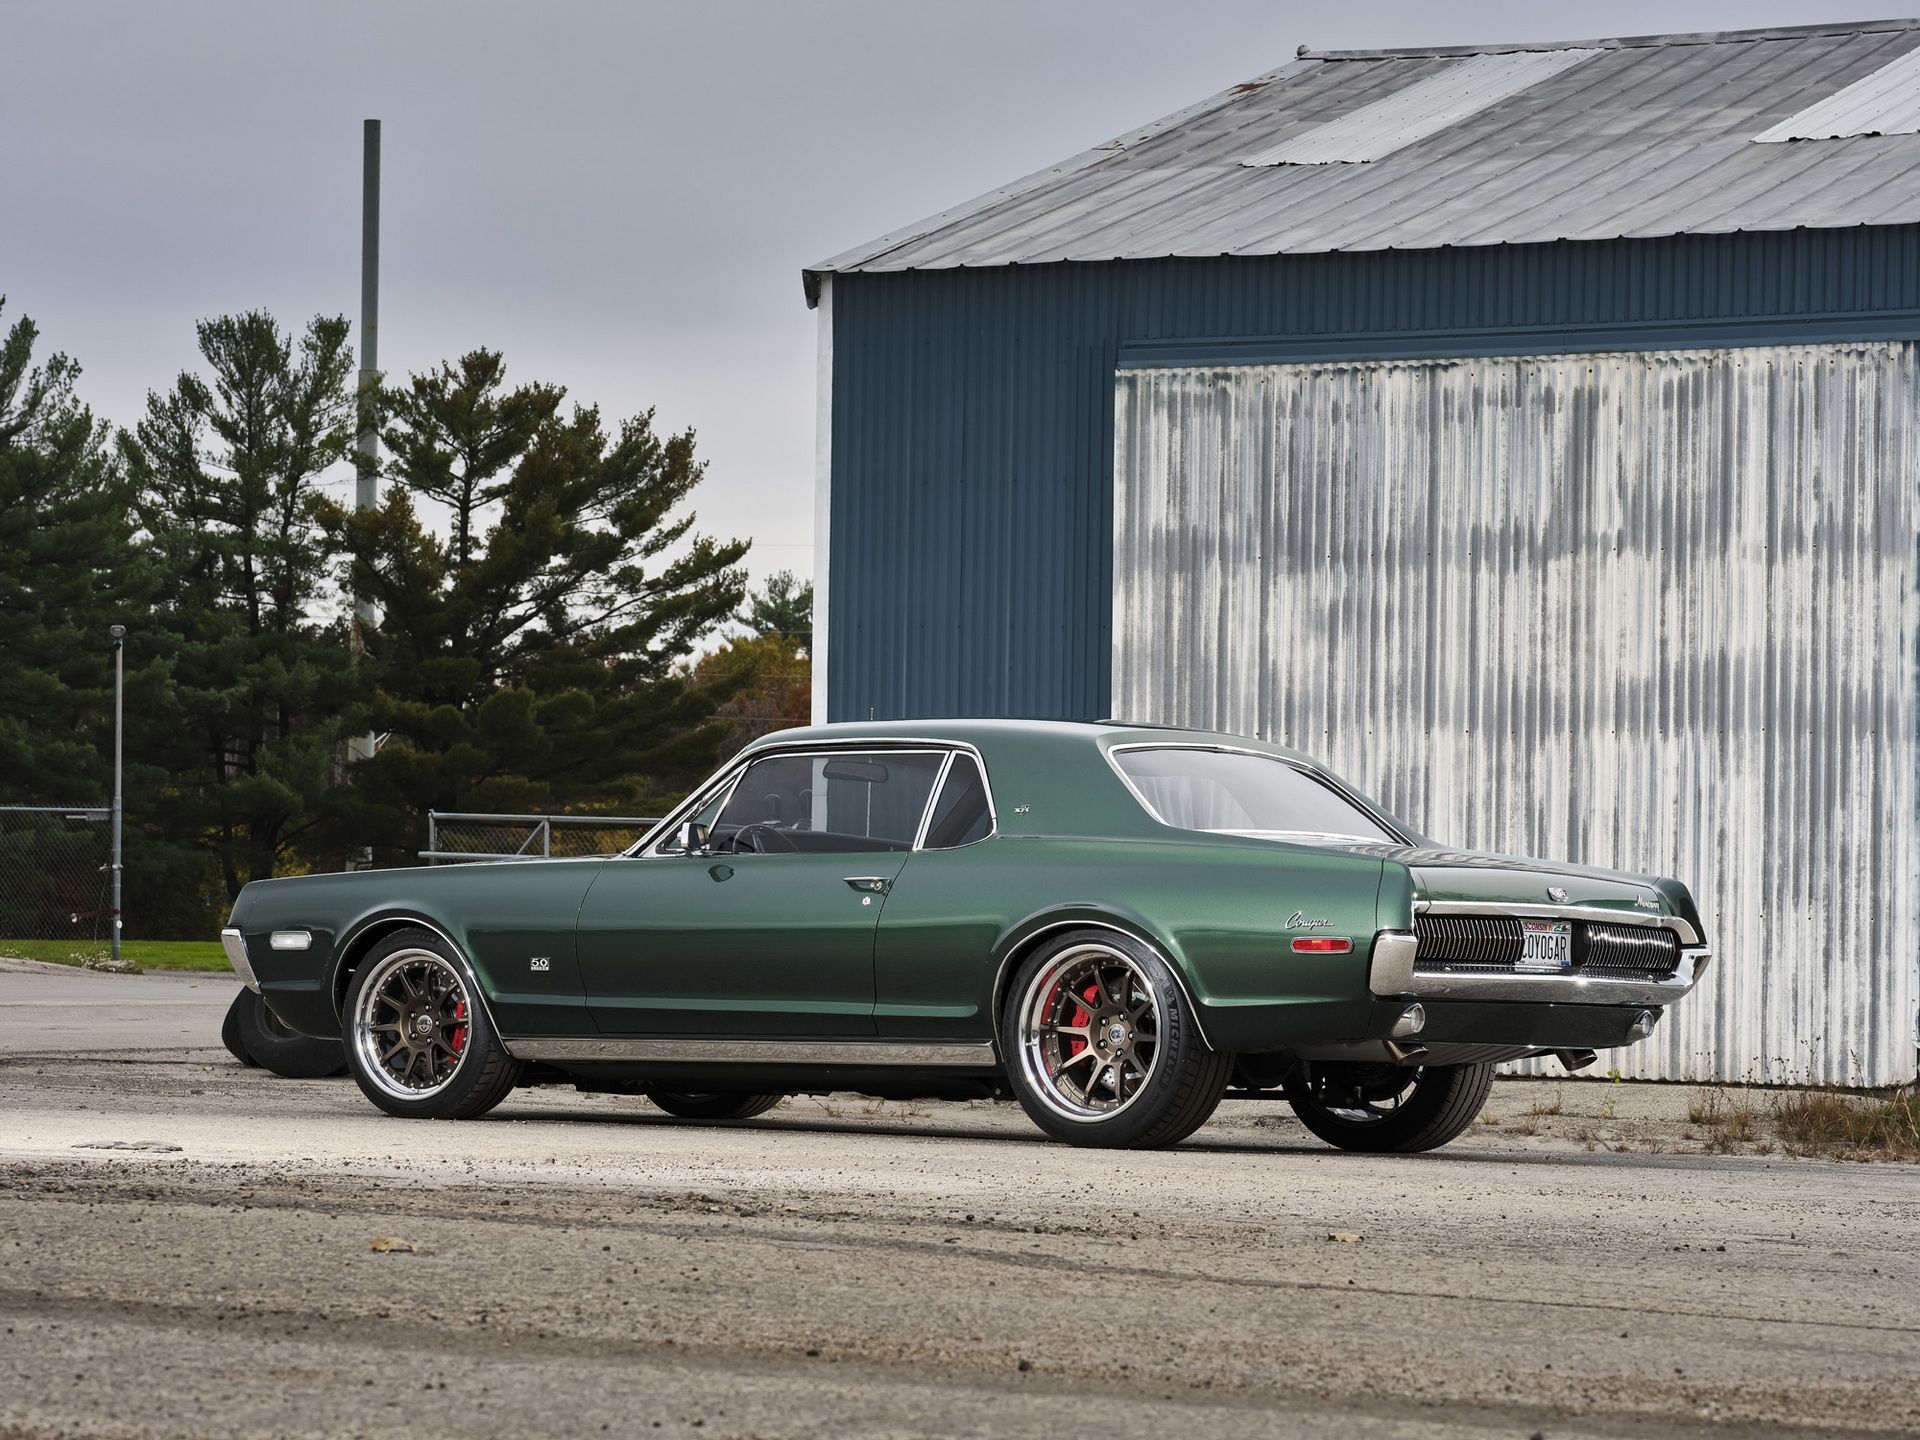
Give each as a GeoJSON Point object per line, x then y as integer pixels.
{"type": "Point", "coordinates": [1394, 972]}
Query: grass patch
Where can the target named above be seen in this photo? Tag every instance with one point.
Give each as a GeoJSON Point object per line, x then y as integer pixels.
{"type": "Point", "coordinates": [1811, 1123]}
{"type": "Point", "coordinates": [1819, 1122]}
{"type": "Point", "coordinates": [147, 954]}
{"type": "Point", "coordinates": [1730, 1118]}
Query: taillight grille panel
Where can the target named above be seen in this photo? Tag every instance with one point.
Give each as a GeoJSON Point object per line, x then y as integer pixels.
{"type": "Point", "coordinates": [1493, 945]}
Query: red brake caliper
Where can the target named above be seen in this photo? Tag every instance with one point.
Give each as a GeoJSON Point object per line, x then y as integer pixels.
{"type": "Point", "coordinates": [459, 1031]}
{"type": "Point", "coordinates": [1082, 1015]}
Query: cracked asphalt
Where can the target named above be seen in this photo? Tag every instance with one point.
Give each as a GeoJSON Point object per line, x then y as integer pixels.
{"type": "Point", "coordinates": [586, 1265]}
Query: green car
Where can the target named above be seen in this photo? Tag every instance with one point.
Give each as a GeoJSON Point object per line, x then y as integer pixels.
{"type": "Point", "coordinates": [1116, 925]}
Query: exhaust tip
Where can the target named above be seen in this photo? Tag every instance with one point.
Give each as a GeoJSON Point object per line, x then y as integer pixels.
{"type": "Point", "coordinates": [1643, 1024]}
{"type": "Point", "coordinates": [1412, 1021]}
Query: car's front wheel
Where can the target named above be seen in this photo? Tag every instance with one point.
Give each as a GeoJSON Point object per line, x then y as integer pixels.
{"type": "Point", "coordinates": [1385, 1107]}
{"type": "Point", "coordinates": [692, 1105]}
{"type": "Point", "coordinates": [418, 1041]}
{"type": "Point", "coordinates": [1102, 1048]}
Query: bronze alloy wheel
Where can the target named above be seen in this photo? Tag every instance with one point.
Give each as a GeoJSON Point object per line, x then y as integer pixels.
{"type": "Point", "coordinates": [1089, 1032]}
{"type": "Point", "coordinates": [412, 1024]}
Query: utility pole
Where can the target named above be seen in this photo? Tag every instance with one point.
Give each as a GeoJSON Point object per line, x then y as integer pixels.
{"type": "Point", "coordinates": [366, 491]}
{"type": "Point", "coordinates": [119, 634]}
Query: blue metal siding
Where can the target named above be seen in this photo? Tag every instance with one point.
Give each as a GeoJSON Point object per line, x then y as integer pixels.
{"type": "Point", "coordinates": [972, 447]}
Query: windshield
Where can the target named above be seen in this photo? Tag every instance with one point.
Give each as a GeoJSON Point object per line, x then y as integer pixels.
{"type": "Point", "coordinates": [1234, 792]}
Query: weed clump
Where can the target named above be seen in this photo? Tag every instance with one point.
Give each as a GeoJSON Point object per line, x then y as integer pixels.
{"type": "Point", "coordinates": [1820, 1122]}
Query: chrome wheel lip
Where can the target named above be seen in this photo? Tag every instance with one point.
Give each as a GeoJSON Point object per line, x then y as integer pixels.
{"type": "Point", "coordinates": [1042, 1078]}
{"type": "Point", "coordinates": [366, 1043]}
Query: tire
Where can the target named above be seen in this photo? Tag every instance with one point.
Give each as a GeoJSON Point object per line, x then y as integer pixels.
{"type": "Point", "coordinates": [1382, 1109]}
{"type": "Point", "coordinates": [690, 1106]}
{"type": "Point", "coordinates": [272, 1046]}
{"type": "Point", "coordinates": [1103, 992]}
{"type": "Point", "coordinates": [419, 1042]}
{"type": "Point", "coordinates": [230, 1031]}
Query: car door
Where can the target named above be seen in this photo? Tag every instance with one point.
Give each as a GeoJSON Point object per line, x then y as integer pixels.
{"type": "Point", "coordinates": [768, 929]}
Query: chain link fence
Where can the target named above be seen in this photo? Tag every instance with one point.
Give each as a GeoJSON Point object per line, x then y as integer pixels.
{"type": "Point", "coordinates": [455, 839]}
{"type": "Point", "coordinates": [55, 873]}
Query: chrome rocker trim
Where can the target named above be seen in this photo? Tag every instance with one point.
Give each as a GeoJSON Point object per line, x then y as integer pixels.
{"type": "Point", "coordinates": [235, 944]}
{"type": "Point", "coordinates": [861, 1054]}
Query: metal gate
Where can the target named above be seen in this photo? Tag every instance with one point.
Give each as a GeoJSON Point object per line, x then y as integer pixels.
{"type": "Point", "coordinates": [1654, 611]}
{"type": "Point", "coordinates": [55, 872]}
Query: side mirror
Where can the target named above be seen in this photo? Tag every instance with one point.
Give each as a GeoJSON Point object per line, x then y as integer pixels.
{"type": "Point", "coordinates": [695, 838]}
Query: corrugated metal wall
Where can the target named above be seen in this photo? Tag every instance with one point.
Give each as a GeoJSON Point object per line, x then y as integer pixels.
{"type": "Point", "coordinates": [1653, 611]}
{"type": "Point", "coordinates": [970, 506]}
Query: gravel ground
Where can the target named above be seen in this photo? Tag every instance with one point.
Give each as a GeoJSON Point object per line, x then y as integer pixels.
{"type": "Point", "coordinates": [585, 1265]}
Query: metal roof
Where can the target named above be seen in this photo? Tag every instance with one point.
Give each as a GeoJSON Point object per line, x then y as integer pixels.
{"type": "Point", "coordinates": [1654, 135]}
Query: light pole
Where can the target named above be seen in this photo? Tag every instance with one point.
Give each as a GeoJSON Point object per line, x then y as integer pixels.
{"type": "Point", "coordinates": [119, 634]}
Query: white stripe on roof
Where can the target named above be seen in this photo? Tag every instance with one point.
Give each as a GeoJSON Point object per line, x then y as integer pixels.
{"type": "Point", "coordinates": [1423, 108]}
{"type": "Point", "coordinates": [1887, 102]}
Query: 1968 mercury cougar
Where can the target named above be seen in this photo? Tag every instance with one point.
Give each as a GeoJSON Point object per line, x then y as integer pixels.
{"type": "Point", "coordinates": [1116, 924]}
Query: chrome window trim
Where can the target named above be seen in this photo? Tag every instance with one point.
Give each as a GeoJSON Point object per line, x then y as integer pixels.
{"type": "Point", "coordinates": [730, 773]}
{"type": "Point", "coordinates": [933, 799]}
{"type": "Point", "coordinates": [877, 1054]}
{"type": "Point", "coordinates": [1394, 834]}
{"type": "Point", "coordinates": [993, 819]}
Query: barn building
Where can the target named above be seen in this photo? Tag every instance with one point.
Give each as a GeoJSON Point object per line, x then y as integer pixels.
{"type": "Point", "coordinates": [1528, 431]}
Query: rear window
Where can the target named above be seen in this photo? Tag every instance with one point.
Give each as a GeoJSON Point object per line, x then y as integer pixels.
{"type": "Point", "coordinates": [1233, 792]}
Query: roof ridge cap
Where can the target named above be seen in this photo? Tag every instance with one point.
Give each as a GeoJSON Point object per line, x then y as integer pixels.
{"type": "Point", "coordinates": [1620, 42]}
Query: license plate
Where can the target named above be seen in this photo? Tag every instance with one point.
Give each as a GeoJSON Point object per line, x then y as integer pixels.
{"type": "Point", "coordinates": [1545, 945]}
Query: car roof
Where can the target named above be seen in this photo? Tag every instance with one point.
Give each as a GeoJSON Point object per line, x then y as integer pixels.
{"type": "Point", "coordinates": [1048, 777]}
{"type": "Point", "coordinates": [983, 733]}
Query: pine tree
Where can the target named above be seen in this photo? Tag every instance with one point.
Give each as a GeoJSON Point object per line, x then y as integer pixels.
{"type": "Point", "coordinates": [529, 650]}
{"type": "Point", "coordinates": [782, 607]}
{"type": "Point", "coordinates": [229, 472]}
{"type": "Point", "coordinates": [68, 569]}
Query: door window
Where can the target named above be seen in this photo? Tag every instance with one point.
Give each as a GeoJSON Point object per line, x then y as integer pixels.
{"type": "Point", "coordinates": [839, 802]}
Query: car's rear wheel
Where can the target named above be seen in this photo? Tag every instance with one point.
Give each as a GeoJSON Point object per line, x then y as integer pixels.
{"type": "Point", "coordinates": [1383, 1107]}
{"type": "Point", "coordinates": [418, 1041]}
{"type": "Point", "coordinates": [1102, 1048]}
{"type": "Point", "coordinates": [691, 1105]}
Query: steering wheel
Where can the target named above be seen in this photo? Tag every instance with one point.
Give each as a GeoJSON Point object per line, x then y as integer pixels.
{"type": "Point", "coordinates": [764, 838]}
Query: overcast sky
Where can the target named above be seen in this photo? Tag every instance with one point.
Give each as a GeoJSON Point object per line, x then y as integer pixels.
{"type": "Point", "coordinates": [619, 196]}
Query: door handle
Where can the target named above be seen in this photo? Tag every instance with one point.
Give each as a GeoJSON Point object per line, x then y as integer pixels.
{"type": "Point", "coordinates": [872, 884]}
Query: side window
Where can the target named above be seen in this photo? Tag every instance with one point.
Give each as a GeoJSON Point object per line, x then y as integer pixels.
{"type": "Point", "coordinates": [842, 801]}
{"type": "Point", "coordinates": [961, 815]}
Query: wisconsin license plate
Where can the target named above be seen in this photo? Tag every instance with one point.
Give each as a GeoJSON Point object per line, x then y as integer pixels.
{"type": "Point", "coordinates": [1545, 945]}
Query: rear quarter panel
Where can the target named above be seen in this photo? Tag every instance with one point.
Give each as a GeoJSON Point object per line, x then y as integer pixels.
{"type": "Point", "coordinates": [1219, 909]}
